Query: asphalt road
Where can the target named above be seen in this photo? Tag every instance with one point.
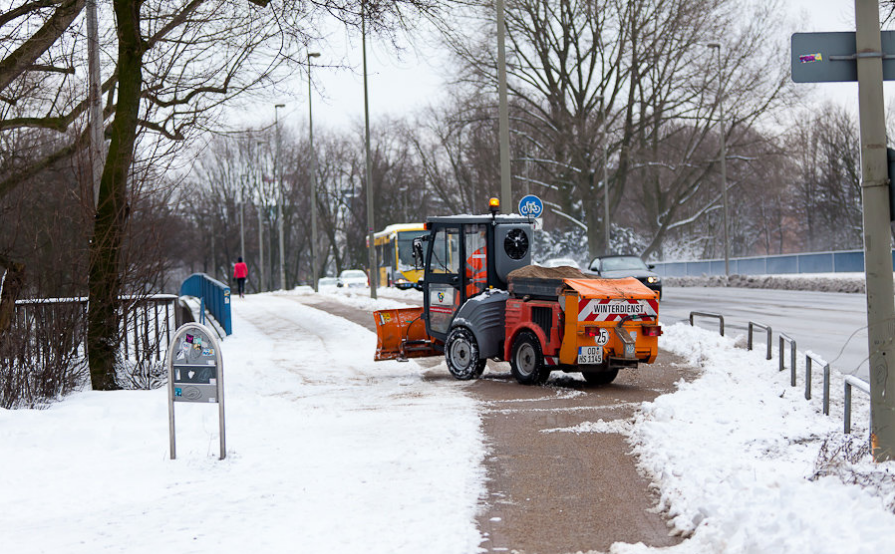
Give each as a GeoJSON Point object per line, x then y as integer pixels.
{"type": "Point", "coordinates": [832, 325]}
{"type": "Point", "coordinates": [552, 490]}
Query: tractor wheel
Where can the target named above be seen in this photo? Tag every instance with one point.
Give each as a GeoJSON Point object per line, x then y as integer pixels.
{"type": "Point", "coordinates": [527, 361]}
{"type": "Point", "coordinates": [461, 351]}
{"type": "Point", "coordinates": [600, 377]}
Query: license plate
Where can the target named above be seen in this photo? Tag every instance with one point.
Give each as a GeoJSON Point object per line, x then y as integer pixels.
{"type": "Point", "coordinates": [588, 355]}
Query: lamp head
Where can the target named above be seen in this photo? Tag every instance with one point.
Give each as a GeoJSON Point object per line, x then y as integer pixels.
{"type": "Point", "coordinates": [714, 45]}
{"type": "Point", "coordinates": [494, 205]}
{"type": "Point", "coordinates": [279, 105]}
{"type": "Point", "coordinates": [313, 54]}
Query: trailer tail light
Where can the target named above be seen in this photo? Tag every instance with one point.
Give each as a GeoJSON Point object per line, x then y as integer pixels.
{"type": "Point", "coordinates": [651, 331]}
{"type": "Point", "coordinates": [591, 331]}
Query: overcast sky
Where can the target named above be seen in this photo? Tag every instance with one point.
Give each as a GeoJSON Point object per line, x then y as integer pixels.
{"type": "Point", "coordinates": [414, 79]}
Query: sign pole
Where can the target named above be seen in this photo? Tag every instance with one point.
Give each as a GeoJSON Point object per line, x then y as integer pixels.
{"type": "Point", "coordinates": [877, 233]}
{"type": "Point", "coordinates": [506, 192]}
{"type": "Point", "coordinates": [195, 374]}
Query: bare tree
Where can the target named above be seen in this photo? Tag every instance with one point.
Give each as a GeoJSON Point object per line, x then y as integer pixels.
{"type": "Point", "coordinates": [175, 63]}
{"type": "Point", "coordinates": [826, 200]}
{"type": "Point", "coordinates": [633, 76]}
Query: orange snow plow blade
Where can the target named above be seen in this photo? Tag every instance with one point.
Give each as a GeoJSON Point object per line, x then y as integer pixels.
{"type": "Point", "coordinates": [401, 334]}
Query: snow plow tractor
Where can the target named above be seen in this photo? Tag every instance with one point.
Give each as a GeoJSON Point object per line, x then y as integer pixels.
{"type": "Point", "coordinates": [483, 299]}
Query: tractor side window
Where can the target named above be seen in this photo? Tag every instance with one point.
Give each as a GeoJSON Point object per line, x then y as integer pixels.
{"type": "Point", "coordinates": [476, 259]}
{"type": "Point", "coordinates": [446, 251]}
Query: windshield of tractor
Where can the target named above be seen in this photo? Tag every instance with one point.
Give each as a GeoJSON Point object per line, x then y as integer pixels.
{"type": "Point", "coordinates": [446, 251]}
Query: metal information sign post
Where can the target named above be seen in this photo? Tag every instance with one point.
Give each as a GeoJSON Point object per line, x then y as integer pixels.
{"type": "Point", "coordinates": [833, 57]}
{"type": "Point", "coordinates": [195, 374]}
{"type": "Point", "coordinates": [868, 57]}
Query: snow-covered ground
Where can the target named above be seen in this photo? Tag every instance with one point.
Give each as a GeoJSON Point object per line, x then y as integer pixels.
{"type": "Point", "coordinates": [331, 452]}
{"type": "Point", "coordinates": [327, 452]}
{"type": "Point", "coordinates": [822, 282]}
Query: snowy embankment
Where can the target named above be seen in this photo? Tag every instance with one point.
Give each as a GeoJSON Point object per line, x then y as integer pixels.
{"type": "Point", "coordinates": [821, 282]}
{"type": "Point", "coordinates": [743, 463]}
{"type": "Point", "coordinates": [327, 452]}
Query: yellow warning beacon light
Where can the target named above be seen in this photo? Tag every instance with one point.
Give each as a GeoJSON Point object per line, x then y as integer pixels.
{"type": "Point", "coordinates": [494, 205]}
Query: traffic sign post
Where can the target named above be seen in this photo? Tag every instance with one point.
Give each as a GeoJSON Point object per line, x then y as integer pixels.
{"type": "Point", "coordinates": [531, 206]}
{"type": "Point", "coordinates": [833, 57]}
{"type": "Point", "coordinates": [868, 57]}
{"type": "Point", "coordinates": [195, 374]}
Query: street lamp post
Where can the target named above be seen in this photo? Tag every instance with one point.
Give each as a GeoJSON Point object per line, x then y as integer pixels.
{"type": "Point", "coordinates": [717, 45]}
{"type": "Point", "coordinates": [371, 247]}
{"type": "Point", "coordinates": [259, 176]}
{"type": "Point", "coordinates": [606, 226]}
{"type": "Point", "coordinates": [279, 178]}
{"type": "Point", "coordinates": [313, 194]}
{"type": "Point", "coordinates": [95, 100]}
{"type": "Point", "coordinates": [260, 248]}
{"type": "Point", "coordinates": [506, 193]}
{"type": "Point", "coordinates": [242, 230]}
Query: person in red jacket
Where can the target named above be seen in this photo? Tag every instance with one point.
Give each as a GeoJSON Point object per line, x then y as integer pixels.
{"type": "Point", "coordinates": [240, 272]}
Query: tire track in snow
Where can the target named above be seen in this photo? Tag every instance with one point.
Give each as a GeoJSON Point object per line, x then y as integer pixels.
{"type": "Point", "coordinates": [315, 325]}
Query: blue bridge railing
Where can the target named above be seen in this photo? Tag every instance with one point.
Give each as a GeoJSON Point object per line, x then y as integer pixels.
{"type": "Point", "coordinates": [844, 261]}
{"type": "Point", "coordinates": [215, 296]}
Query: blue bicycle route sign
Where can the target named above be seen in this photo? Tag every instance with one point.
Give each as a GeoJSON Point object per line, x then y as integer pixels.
{"type": "Point", "coordinates": [531, 206]}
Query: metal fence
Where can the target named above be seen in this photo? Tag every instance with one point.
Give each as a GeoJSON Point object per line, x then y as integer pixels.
{"type": "Point", "coordinates": [215, 297]}
{"type": "Point", "coordinates": [844, 261]}
{"type": "Point", "coordinates": [146, 323]}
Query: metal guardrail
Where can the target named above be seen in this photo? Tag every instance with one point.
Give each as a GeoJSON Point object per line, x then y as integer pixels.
{"type": "Point", "coordinates": [784, 338]}
{"type": "Point", "coordinates": [809, 357]}
{"type": "Point", "coordinates": [215, 297]}
{"type": "Point", "coordinates": [852, 381]}
{"type": "Point", "coordinates": [719, 317]}
{"type": "Point", "coordinates": [770, 341]}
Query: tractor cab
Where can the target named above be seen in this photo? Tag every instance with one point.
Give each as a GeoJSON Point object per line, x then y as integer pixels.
{"type": "Point", "coordinates": [463, 257]}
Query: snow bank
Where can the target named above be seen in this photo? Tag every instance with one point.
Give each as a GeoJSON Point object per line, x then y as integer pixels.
{"type": "Point", "coordinates": [741, 460]}
{"type": "Point", "coordinates": [822, 282]}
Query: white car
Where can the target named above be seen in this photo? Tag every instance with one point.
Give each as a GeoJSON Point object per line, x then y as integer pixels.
{"type": "Point", "coordinates": [353, 278]}
{"type": "Point", "coordinates": [559, 262]}
{"type": "Point", "coordinates": [327, 283]}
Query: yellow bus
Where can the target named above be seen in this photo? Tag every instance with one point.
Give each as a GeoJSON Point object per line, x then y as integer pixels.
{"type": "Point", "coordinates": [394, 251]}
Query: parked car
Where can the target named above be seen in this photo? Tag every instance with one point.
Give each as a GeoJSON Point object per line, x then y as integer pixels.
{"type": "Point", "coordinates": [616, 267]}
{"type": "Point", "coordinates": [353, 278]}
{"type": "Point", "coordinates": [328, 283]}
{"type": "Point", "coordinates": [560, 262]}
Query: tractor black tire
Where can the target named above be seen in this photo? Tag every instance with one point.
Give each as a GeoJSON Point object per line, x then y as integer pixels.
{"type": "Point", "coordinates": [461, 352]}
{"type": "Point", "coordinates": [527, 360]}
{"type": "Point", "coordinates": [600, 377]}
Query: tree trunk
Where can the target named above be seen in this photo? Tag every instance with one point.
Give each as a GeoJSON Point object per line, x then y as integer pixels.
{"type": "Point", "coordinates": [112, 209]}
{"type": "Point", "coordinates": [12, 281]}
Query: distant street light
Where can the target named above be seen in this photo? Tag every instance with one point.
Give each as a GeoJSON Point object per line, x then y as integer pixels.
{"type": "Point", "coordinates": [313, 194]}
{"type": "Point", "coordinates": [371, 246]}
{"type": "Point", "coordinates": [279, 177]}
{"type": "Point", "coordinates": [717, 45]}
